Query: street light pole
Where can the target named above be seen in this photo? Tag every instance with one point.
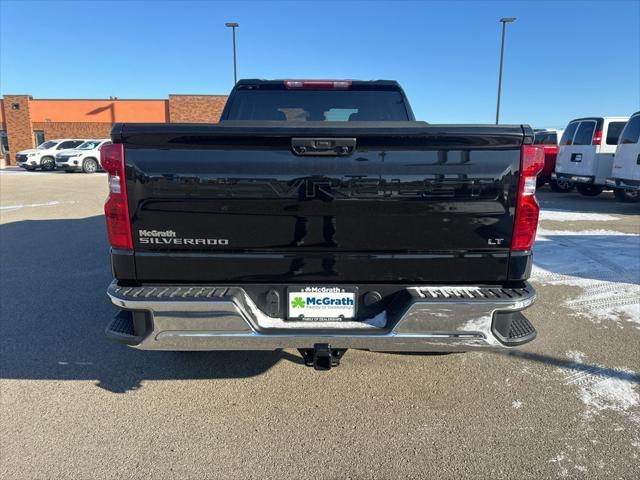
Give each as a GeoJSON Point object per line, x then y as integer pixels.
{"type": "Point", "coordinates": [233, 26]}
{"type": "Point", "coordinates": [504, 24]}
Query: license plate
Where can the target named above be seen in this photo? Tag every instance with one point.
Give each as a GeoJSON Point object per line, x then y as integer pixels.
{"type": "Point", "coordinates": [322, 303]}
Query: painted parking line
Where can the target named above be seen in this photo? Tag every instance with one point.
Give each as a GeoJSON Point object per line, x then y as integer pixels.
{"type": "Point", "coordinates": [21, 171]}
{"type": "Point", "coordinates": [32, 205]}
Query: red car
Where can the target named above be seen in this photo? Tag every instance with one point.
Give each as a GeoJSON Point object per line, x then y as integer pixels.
{"type": "Point", "coordinates": [549, 139]}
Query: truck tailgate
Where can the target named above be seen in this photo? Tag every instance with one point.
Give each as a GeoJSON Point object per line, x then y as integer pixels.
{"type": "Point", "coordinates": [412, 203]}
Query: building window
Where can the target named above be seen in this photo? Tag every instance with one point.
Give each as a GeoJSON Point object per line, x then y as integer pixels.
{"type": "Point", "coordinates": [38, 136]}
{"type": "Point", "coordinates": [4, 142]}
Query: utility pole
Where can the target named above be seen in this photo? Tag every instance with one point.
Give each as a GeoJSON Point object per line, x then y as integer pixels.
{"type": "Point", "coordinates": [504, 24]}
{"type": "Point", "coordinates": [233, 26]}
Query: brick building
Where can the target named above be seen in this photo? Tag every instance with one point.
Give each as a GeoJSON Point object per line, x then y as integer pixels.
{"type": "Point", "coordinates": [26, 122]}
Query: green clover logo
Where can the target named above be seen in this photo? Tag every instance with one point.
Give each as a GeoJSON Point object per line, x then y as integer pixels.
{"type": "Point", "coordinates": [297, 302]}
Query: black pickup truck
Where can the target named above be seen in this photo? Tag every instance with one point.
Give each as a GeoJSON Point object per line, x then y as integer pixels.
{"type": "Point", "coordinates": [320, 215]}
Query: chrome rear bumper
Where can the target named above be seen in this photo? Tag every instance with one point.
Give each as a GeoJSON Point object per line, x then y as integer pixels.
{"type": "Point", "coordinates": [225, 318]}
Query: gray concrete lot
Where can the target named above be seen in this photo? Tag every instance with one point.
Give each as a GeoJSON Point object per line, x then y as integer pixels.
{"type": "Point", "coordinates": [77, 406]}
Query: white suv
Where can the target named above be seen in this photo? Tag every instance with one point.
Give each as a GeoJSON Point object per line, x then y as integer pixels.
{"type": "Point", "coordinates": [44, 156]}
{"type": "Point", "coordinates": [85, 157]}
{"type": "Point", "coordinates": [625, 174]}
{"type": "Point", "coordinates": [586, 151]}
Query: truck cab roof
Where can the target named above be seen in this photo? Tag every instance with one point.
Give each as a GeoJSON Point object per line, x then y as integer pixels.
{"type": "Point", "coordinates": [317, 100]}
{"type": "Point", "coordinates": [282, 82]}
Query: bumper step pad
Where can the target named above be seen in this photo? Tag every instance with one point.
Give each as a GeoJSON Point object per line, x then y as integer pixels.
{"type": "Point", "coordinates": [121, 329]}
{"type": "Point", "coordinates": [520, 328]}
{"type": "Point", "coordinates": [513, 329]}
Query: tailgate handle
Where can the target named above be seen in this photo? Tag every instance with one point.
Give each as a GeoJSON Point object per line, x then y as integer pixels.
{"type": "Point", "coordinates": [323, 146]}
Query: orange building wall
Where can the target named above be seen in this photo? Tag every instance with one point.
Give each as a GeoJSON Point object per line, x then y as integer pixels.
{"type": "Point", "coordinates": [99, 111]}
{"type": "Point", "coordinates": [196, 108]}
{"type": "Point", "coordinates": [73, 129]}
{"type": "Point", "coordinates": [93, 118]}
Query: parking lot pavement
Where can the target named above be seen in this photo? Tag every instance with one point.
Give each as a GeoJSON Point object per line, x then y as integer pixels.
{"type": "Point", "coordinates": [76, 406]}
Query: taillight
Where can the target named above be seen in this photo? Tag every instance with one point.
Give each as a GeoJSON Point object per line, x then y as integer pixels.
{"type": "Point", "coordinates": [116, 209]}
{"type": "Point", "coordinates": [527, 209]}
{"type": "Point", "coordinates": [317, 84]}
{"type": "Point", "coordinates": [597, 137]}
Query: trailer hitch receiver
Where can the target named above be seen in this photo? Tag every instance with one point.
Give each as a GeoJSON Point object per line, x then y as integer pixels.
{"type": "Point", "coordinates": [322, 356]}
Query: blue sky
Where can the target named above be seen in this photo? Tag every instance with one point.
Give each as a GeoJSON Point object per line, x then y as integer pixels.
{"type": "Point", "coordinates": [562, 60]}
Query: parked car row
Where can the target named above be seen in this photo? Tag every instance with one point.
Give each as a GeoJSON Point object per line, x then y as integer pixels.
{"type": "Point", "coordinates": [593, 154]}
{"type": "Point", "coordinates": [68, 154]}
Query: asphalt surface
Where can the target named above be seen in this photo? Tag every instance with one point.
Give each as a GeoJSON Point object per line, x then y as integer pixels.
{"type": "Point", "coordinates": [75, 405]}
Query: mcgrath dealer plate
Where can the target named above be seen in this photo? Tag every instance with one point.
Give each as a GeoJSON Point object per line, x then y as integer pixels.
{"type": "Point", "coordinates": [322, 303]}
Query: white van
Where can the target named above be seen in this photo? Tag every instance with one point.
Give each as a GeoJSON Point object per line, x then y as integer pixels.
{"type": "Point", "coordinates": [625, 174]}
{"type": "Point", "coordinates": [586, 150]}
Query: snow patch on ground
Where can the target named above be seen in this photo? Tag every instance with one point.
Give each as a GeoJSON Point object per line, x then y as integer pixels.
{"type": "Point", "coordinates": [615, 394]}
{"type": "Point", "coordinates": [559, 215]}
{"type": "Point", "coordinates": [599, 390]}
{"type": "Point", "coordinates": [559, 458]}
{"type": "Point", "coordinates": [516, 404]}
{"type": "Point", "coordinates": [604, 264]}
{"type": "Point", "coordinates": [545, 232]}
{"type": "Point", "coordinates": [609, 395]}
{"type": "Point", "coordinates": [576, 356]}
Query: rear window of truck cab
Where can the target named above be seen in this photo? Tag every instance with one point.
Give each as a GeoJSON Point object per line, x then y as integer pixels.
{"type": "Point", "coordinates": [545, 138]}
{"type": "Point", "coordinates": [317, 105]}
